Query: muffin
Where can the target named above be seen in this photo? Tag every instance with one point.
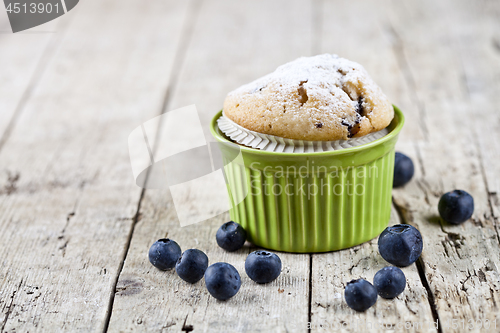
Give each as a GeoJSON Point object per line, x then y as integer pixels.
{"type": "Point", "coordinates": [309, 200]}
{"type": "Point", "coordinates": [320, 98]}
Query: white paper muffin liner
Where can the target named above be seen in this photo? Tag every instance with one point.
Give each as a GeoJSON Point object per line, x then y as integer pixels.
{"type": "Point", "coordinates": [282, 145]}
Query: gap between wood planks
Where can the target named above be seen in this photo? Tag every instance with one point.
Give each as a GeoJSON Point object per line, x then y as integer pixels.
{"type": "Point", "coordinates": [404, 67]}
{"type": "Point", "coordinates": [421, 273]}
{"type": "Point", "coordinates": [47, 55]}
{"type": "Point", "coordinates": [316, 49]}
{"type": "Point", "coordinates": [186, 34]}
{"type": "Point", "coordinates": [179, 57]}
{"type": "Point", "coordinates": [399, 53]}
{"type": "Point", "coordinates": [172, 82]}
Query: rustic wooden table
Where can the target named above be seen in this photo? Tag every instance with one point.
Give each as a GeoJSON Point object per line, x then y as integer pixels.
{"type": "Point", "coordinates": [75, 229]}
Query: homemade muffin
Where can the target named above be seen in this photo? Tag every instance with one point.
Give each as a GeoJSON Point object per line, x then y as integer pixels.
{"type": "Point", "coordinates": [320, 98]}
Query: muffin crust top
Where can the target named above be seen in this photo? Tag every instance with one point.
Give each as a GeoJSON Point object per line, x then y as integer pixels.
{"type": "Point", "coordinates": [320, 98]}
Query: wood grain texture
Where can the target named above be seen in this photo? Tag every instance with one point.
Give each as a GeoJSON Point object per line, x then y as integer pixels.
{"type": "Point", "coordinates": [460, 262]}
{"type": "Point", "coordinates": [67, 217]}
{"type": "Point", "coordinates": [410, 311]}
{"type": "Point", "coordinates": [332, 271]}
{"type": "Point", "coordinates": [478, 46]}
{"type": "Point", "coordinates": [227, 49]}
{"type": "Point", "coordinates": [148, 299]}
{"type": "Point", "coordinates": [73, 243]}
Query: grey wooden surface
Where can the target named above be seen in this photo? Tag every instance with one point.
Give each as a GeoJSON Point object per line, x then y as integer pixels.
{"type": "Point", "coordinates": [75, 229]}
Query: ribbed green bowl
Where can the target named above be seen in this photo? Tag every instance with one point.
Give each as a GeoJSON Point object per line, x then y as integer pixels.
{"type": "Point", "coordinates": [311, 202]}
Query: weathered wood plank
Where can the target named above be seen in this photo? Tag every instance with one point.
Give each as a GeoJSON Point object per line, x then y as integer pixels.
{"type": "Point", "coordinates": [24, 56]}
{"type": "Point", "coordinates": [478, 45]}
{"type": "Point", "coordinates": [371, 45]}
{"type": "Point", "coordinates": [410, 311]}
{"type": "Point", "coordinates": [151, 300]}
{"type": "Point", "coordinates": [460, 262]}
{"type": "Point", "coordinates": [66, 220]}
{"type": "Point", "coordinates": [232, 44]}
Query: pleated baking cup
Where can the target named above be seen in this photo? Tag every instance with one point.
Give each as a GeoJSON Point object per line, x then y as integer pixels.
{"type": "Point", "coordinates": [311, 202]}
{"type": "Point", "coordinates": [274, 143]}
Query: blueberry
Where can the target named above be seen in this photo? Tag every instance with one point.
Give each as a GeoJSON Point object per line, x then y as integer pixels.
{"type": "Point", "coordinates": [403, 170]}
{"type": "Point", "coordinates": [263, 266]}
{"type": "Point", "coordinates": [401, 244]}
{"type": "Point", "coordinates": [222, 280]}
{"type": "Point", "coordinates": [360, 294]}
{"type": "Point", "coordinates": [456, 207]}
{"type": "Point", "coordinates": [191, 265]}
{"type": "Point", "coordinates": [390, 281]}
{"type": "Point", "coordinates": [163, 254]}
{"type": "Point", "coordinates": [231, 236]}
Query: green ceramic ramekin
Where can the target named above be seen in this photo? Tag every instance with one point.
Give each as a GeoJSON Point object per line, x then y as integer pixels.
{"type": "Point", "coordinates": [312, 202]}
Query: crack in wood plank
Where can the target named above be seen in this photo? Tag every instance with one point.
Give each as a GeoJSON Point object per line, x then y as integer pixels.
{"type": "Point", "coordinates": [68, 218]}
{"type": "Point", "coordinates": [430, 296]}
{"type": "Point", "coordinates": [460, 282]}
{"type": "Point", "coordinates": [62, 236]}
{"type": "Point", "coordinates": [363, 261]}
{"type": "Point", "coordinates": [187, 328]}
{"type": "Point", "coordinates": [10, 307]}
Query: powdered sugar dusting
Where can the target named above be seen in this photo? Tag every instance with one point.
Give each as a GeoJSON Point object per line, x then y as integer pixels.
{"type": "Point", "coordinates": [322, 97]}
{"type": "Point", "coordinates": [321, 70]}
{"type": "Point", "coordinates": [320, 76]}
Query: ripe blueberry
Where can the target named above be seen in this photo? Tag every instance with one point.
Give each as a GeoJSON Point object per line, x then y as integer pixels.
{"type": "Point", "coordinates": [163, 254]}
{"type": "Point", "coordinates": [390, 281]}
{"type": "Point", "coordinates": [360, 294]}
{"type": "Point", "coordinates": [263, 266]}
{"type": "Point", "coordinates": [222, 280]}
{"type": "Point", "coordinates": [456, 206]}
{"type": "Point", "coordinates": [191, 265]}
{"type": "Point", "coordinates": [403, 170]}
{"type": "Point", "coordinates": [231, 236]}
{"type": "Point", "coordinates": [401, 244]}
